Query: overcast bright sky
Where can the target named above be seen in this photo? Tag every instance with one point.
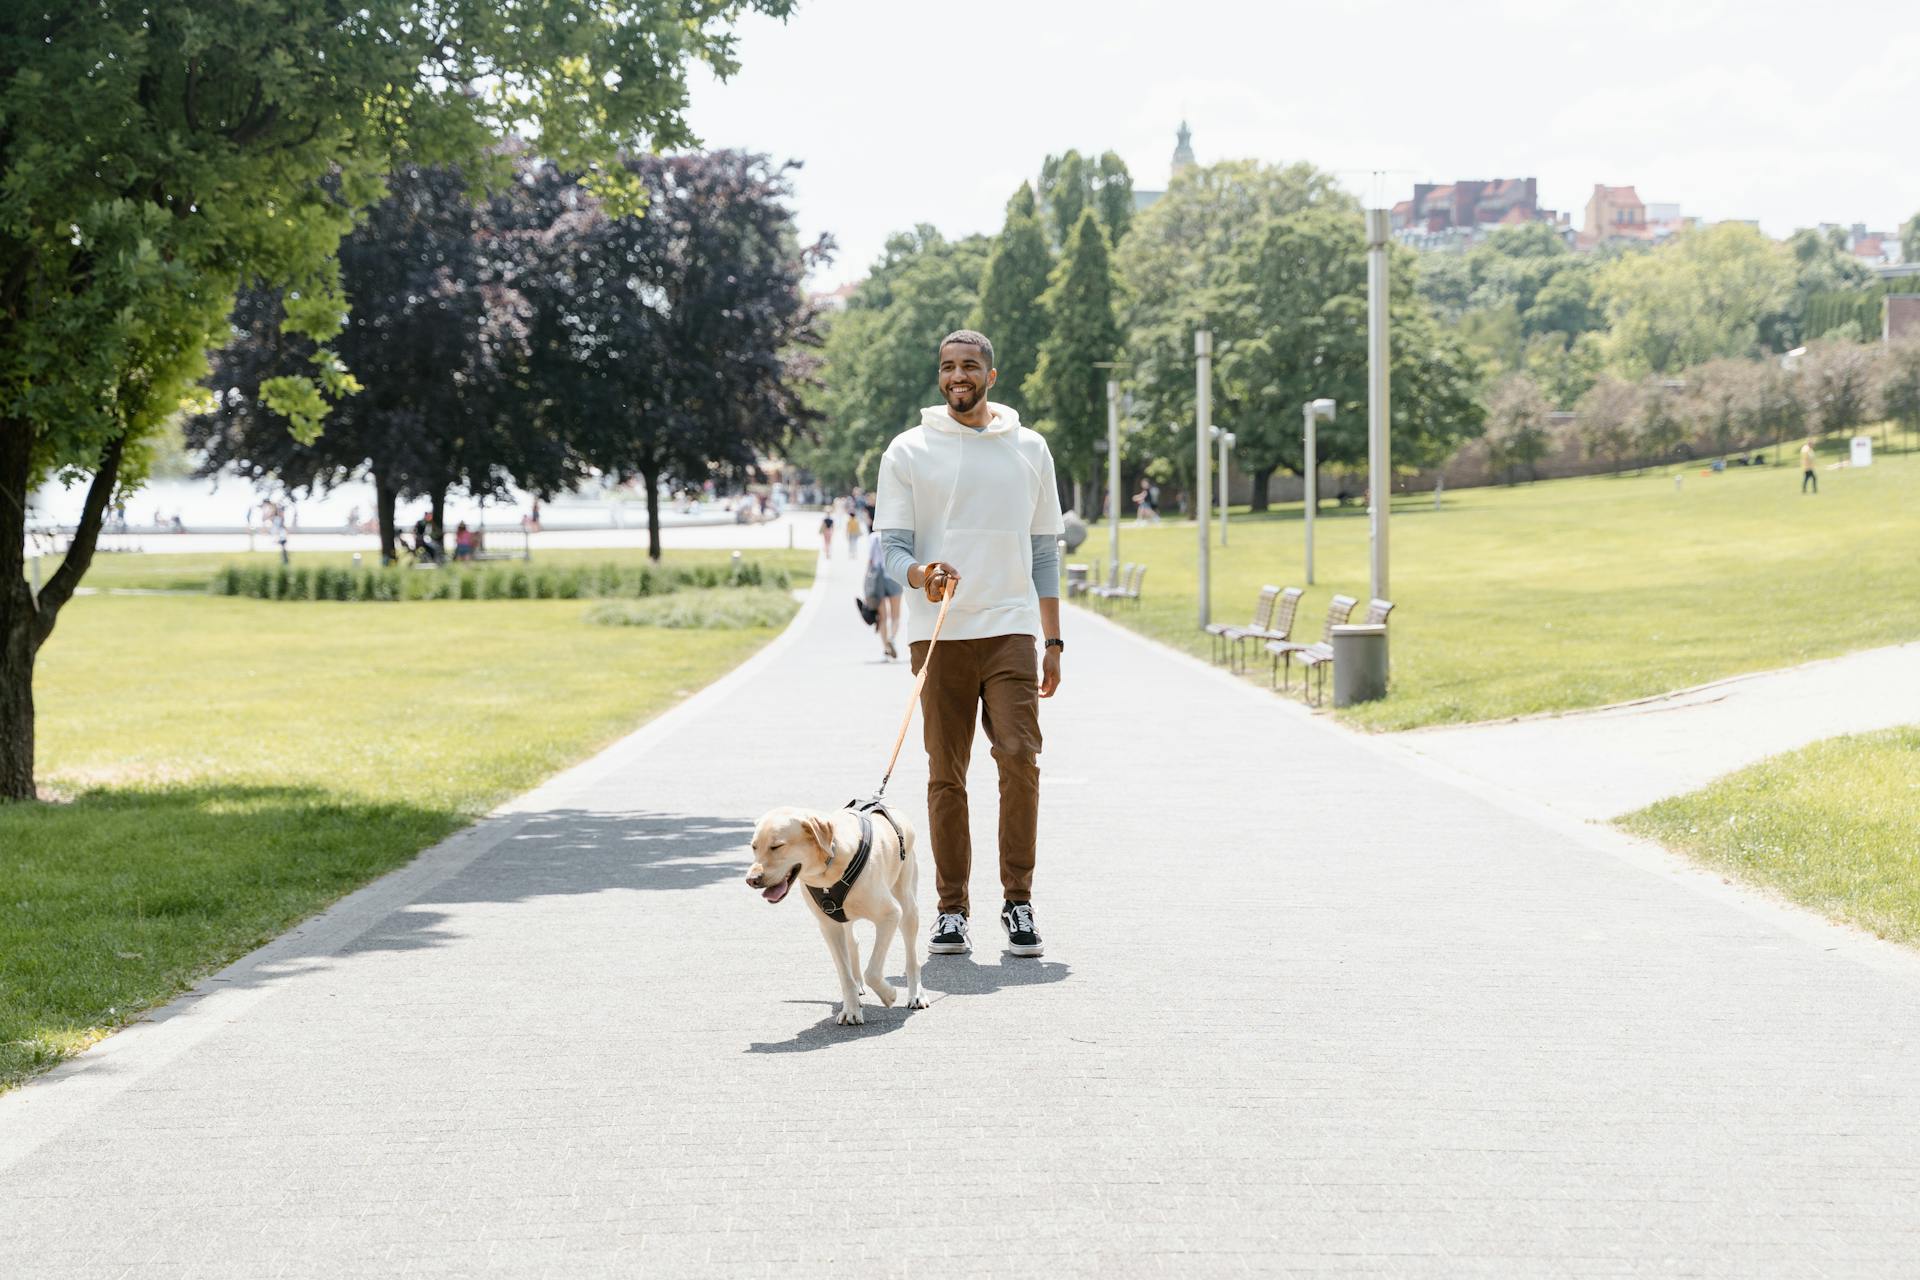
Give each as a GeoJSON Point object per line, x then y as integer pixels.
{"type": "Point", "coordinates": [909, 111]}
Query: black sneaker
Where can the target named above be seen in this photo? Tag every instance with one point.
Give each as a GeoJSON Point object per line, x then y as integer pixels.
{"type": "Point", "coordinates": [1023, 938]}
{"type": "Point", "coordinates": [950, 935]}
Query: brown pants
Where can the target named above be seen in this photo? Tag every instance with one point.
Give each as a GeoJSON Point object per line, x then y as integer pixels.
{"type": "Point", "coordinates": [995, 678]}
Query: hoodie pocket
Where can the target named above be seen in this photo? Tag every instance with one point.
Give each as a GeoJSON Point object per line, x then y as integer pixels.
{"type": "Point", "coordinates": [996, 568]}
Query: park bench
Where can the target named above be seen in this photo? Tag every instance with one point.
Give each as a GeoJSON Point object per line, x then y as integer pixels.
{"type": "Point", "coordinates": [1278, 627]}
{"type": "Point", "coordinates": [1338, 612]}
{"type": "Point", "coordinates": [1262, 615]}
{"type": "Point", "coordinates": [1317, 658]}
{"type": "Point", "coordinates": [1128, 587]}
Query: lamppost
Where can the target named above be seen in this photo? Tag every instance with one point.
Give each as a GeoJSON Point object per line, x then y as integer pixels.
{"type": "Point", "coordinates": [1227, 440]}
{"type": "Point", "coordinates": [1313, 411]}
{"type": "Point", "coordinates": [1202, 425]}
{"type": "Point", "coordinates": [1113, 469]}
{"type": "Point", "coordinates": [1379, 458]}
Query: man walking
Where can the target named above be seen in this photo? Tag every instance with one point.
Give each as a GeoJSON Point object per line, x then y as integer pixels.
{"type": "Point", "coordinates": [1807, 474]}
{"type": "Point", "coordinates": [967, 505]}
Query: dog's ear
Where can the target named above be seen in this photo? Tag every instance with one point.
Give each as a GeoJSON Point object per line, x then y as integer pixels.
{"type": "Point", "coordinates": [822, 832]}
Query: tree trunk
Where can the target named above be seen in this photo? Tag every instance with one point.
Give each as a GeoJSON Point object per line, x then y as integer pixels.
{"type": "Point", "coordinates": [1261, 477]}
{"type": "Point", "coordinates": [653, 516]}
{"type": "Point", "coordinates": [440, 514]}
{"type": "Point", "coordinates": [384, 499]}
{"type": "Point", "coordinates": [27, 621]}
{"type": "Point", "coordinates": [16, 617]}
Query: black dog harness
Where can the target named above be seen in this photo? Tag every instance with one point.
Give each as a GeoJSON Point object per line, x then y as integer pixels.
{"type": "Point", "coordinates": [832, 900]}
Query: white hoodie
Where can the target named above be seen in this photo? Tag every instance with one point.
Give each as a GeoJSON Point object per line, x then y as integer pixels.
{"type": "Point", "coordinates": [973, 498]}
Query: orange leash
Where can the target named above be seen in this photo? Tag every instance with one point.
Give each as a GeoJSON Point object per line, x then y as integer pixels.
{"type": "Point", "coordinates": [919, 682]}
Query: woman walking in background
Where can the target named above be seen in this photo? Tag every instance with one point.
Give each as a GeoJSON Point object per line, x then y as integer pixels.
{"type": "Point", "coordinates": [883, 597]}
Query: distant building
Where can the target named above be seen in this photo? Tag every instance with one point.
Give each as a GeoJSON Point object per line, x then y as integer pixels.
{"type": "Point", "coordinates": [833, 299]}
{"type": "Point", "coordinates": [1614, 213]}
{"type": "Point", "coordinates": [1182, 161]}
{"type": "Point", "coordinates": [1447, 215]}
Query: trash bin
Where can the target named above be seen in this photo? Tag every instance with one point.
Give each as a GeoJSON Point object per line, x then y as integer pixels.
{"type": "Point", "coordinates": [1359, 663]}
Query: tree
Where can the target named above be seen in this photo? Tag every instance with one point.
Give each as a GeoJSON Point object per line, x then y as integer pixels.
{"type": "Point", "coordinates": [1900, 382]}
{"type": "Point", "coordinates": [1011, 312]}
{"type": "Point", "coordinates": [1910, 239]}
{"type": "Point", "coordinates": [1071, 183]}
{"type": "Point", "coordinates": [437, 336]}
{"type": "Point", "coordinates": [1274, 262]}
{"type": "Point", "coordinates": [176, 151]}
{"type": "Point", "coordinates": [1719, 400]}
{"type": "Point", "coordinates": [1605, 419]}
{"type": "Point", "coordinates": [667, 344]}
{"type": "Point", "coordinates": [1777, 407]}
{"type": "Point", "coordinates": [1705, 294]}
{"type": "Point", "coordinates": [1658, 428]}
{"type": "Point", "coordinates": [1838, 381]}
{"type": "Point", "coordinates": [880, 363]}
{"type": "Point", "coordinates": [1821, 265]}
{"type": "Point", "coordinates": [1563, 370]}
{"type": "Point", "coordinates": [1114, 196]}
{"type": "Point", "coordinates": [1517, 424]}
{"type": "Point", "coordinates": [1183, 267]}
{"type": "Point", "coordinates": [1066, 388]}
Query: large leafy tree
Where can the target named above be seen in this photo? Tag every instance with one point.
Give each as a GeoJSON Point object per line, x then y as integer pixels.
{"type": "Point", "coordinates": [673, 345]}
{"type": "Point", "coordinates": [1910, 239]}
{"type": "Point", "coordinates": [1066, 388]}
{"type": "Point", "coordinates": [1072, 183]}
{"type": "Point", "coordinates": [437, 336]}
{"type": "Point", "coordinates": [1840, 383]}
{"type": "Point", "coordinates": [881, 356]}
{"type": "Point", "coordinates": [1900, 383]}
{"type": "Point", "coordinates": [1283, 287]}
{"type": "Point", "coordinates": [1517, 425]}
{"type": "Point", "coordinates": [1821, 264]}
{"type": "Point", "coordinates": [158, 155]}
{"type": "Point", "coordinates": [1011, 312]}
{"type": "Point", "coordinates": [1708, 293]}
{"type": "Point", "coordinates": [1183, 268]}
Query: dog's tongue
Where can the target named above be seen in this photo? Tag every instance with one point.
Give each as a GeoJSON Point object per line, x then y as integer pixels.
{"type": "Point", "coordinates": [778, 891]}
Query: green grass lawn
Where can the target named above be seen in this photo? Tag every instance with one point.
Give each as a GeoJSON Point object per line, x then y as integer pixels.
{"type": "Point", "coordinates": [227, 767]}
{"type": "Point", "coordinates": [1834, 826]}
{"type": "Point", "coordinates": [1576, 593]}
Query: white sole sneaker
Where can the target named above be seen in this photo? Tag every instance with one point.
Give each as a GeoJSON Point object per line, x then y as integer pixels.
{"type": "Point", "coordinates": [949, 948]}
{"type": "Point", "coordinates": [1032, 949]}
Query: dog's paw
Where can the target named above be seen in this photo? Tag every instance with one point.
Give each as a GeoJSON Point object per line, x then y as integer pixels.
{"type": "Point", "coordinates": [851, 1016]}
{"type": "Point", "coordinates": [884, 990]}
{"type": "Point", "coordinates": [917, 1000]}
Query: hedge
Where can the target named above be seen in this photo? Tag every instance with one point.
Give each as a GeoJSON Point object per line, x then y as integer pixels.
{"type": "Point", "coordinates": [486, 582]}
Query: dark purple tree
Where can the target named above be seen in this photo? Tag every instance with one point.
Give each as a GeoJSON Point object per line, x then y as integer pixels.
{"type": "Point", "coordinates": [679, 344]}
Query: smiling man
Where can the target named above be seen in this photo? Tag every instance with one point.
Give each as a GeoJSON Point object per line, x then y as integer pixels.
{"type": "Point", "coordinates": [967, 503]}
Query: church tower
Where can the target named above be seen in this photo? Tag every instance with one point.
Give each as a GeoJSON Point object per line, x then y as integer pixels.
{"type": "Point", "coordinates": [1183, 154]}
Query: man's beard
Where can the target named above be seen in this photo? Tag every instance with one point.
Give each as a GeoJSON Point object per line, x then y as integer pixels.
{"type": "Point", "coordinates": [964, 401]}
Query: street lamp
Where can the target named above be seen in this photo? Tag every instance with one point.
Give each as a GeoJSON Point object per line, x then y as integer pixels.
{"type": "Point", "coordinates": [1379, 459]}
{"type": "Point", "coordinates": [1313, 411]}
{"type": "Point", "coordinates": [1202, 424]}
{"type": "Point", "coordinates": [1227, 440]}
{"type": "Point", "coordinates": [1113, 469]}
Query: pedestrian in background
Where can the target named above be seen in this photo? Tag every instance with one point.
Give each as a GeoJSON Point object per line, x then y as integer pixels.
{"type": "Point", "coordinates": [1808, 477]}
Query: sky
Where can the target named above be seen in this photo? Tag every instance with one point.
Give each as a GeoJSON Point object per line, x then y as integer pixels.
{"type": "Point", "coordinates": [908, 111]}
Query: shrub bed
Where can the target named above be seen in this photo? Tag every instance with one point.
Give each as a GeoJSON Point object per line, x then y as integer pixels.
{"type": "Point", "coordinates": [488, 582]}
{"type": "Point", "coordinates": [702, 610]}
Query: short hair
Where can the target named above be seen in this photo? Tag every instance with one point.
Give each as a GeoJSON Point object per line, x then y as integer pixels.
{"type": "Point", "coordinates": [972, 338]}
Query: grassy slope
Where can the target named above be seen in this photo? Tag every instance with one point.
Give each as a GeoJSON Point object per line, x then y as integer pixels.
{"type": "Point", "coordinates": [235, 765]}
{"type": "Point", "coordinates": [1834, 826]}
{"type": "Point", "coordinates": [1574, 593]}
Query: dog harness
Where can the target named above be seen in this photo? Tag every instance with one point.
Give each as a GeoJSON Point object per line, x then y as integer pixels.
{"type": "Point", "coordinates": [832, 900]}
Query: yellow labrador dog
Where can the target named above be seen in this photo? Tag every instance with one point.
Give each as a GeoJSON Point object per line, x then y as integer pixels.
{"type": "Point", "coordinates": [823, 853]}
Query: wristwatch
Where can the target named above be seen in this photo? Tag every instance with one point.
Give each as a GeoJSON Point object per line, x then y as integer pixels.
{"type": "Point", "coordinates": [1057, 643]}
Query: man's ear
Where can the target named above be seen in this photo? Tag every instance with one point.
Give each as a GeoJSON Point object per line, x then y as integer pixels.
{"type": "Point", "coordinates": [993, 376]}
{"type": "Point", "coordinates": [822, 832]}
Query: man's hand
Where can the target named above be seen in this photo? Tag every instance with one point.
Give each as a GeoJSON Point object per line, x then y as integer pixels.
{"type": "Point", "coordinates": [937, 578]}
{"type": "Point", "coordinates": [1049, 673]}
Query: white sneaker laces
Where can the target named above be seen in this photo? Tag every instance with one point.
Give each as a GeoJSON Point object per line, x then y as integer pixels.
{"type": "Point", "coordinates": [1023, 918]}
{"type": "Point", "coordinates": [951, 922]}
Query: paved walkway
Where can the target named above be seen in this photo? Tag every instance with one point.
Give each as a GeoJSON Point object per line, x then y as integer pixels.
{"type": "Point", "coordinates": [1601, 764]}
{"type": "Point", "coordinates": [1308, 1007]}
